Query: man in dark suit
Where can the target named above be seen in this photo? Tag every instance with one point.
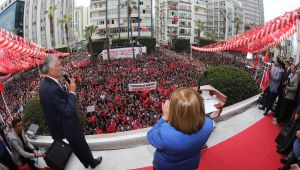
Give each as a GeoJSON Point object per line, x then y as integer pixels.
{"type": "Point", "coordinates": [58, 106]}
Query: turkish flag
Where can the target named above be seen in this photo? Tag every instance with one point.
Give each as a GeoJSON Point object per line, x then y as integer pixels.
{"type": "Point", "coordinates": [266, 80]}
{"type": "Point", "coordinates": [254, 64]}
{"type": "Point", "coordinates": [266, 59]}
{"type": "Point", "coordinates": [117, 98]}
{"type": "Point", "coordinates": [2, 89]}
{"type": "Point", "coordinates": [99, 131]}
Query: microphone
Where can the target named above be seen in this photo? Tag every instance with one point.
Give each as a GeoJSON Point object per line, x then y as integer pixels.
{"type": "Point", "coordinates": [65, 76]}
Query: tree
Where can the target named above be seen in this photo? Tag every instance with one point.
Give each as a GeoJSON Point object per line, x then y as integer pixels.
{"type": "Point", "coordinates": [67, 18]}
{"type": "Point", "coordinates": [224, 16]}
{"type": "Point", "coordinates": [89, 30]}
{"type": "Point", "coordinates": [213, 35]}
{"type": "Point", "coordinates": [131, 5]}
{"type": "Point", "coordinates": [109, 36]}
{"type": "Point", "coordinates": [237, 22]}
{"type": "Point", "coordinates": [200, 27]}
{"type": "Point", "coordinates": [50, 13]}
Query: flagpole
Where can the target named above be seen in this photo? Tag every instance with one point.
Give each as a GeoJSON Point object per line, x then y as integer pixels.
{"type": "Point", "coordinates": [256, 73]}
{"type": "Point", "coordinates": [263, 77]}
{"type": "Point", "coordinates": [5, 104]}
{"type": "Point", "coordinates": [191, 51]}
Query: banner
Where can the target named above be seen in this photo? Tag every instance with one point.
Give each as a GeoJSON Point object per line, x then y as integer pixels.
{"type": "Point", "coordinates": [123, 52]}
{"type": "Point", "coordinates": [90, 109]}
{"type": "Point", "coordinates": [142, 86]}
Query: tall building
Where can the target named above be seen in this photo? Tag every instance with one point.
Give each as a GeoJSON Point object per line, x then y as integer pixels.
{"type": "Point", "coordinates": [224, 18]}
{"type": "Point", "coordinates": [81, 20]}
{"type": "Point", "coordinates": [176, 19]}
{"type": "Point", "coordinates": [37, 23]}
{"type": "Point", "coordinates": [11, 16]}
{"type": "Point", "coordinates": [253, 11]}
{"type": "Point", "coordinates": [118, 21]}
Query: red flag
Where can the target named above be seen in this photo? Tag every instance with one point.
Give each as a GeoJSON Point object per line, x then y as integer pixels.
{"type": "Point", "coordinates": [111, 105]}
{"type": "Point", "coordinates": [2, 89]}
{"type": "Point", "coordinates": [266, 59]}
{"type": "Point", "coordinates": [99, 131]}
{"type": "Point", "coordinates": [254, 64]}
{"type": "Point", "coordinates": [266, 80]}
{"type": "Point", "coordinates": [82, 94]}
{"type": "Point", "coordinates": [79, 78]}
{"type": "Point", "coordinates": [173, 87]}
{"type": "Point", "coordinates": [117, 98]}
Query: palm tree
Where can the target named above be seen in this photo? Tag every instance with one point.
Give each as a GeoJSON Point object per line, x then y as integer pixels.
{"type": "Point", "coordinates": [119, 19]}
{"type": "Point", "coordinates": [50, 13]}
{"type": "Point", "coordinates": [89, 30]}
{"type": "Point", "coordinates": [237, 21]}
{"type": "Point", "coordinates": [67, 18]}
{"type": "Point", "coordinates": [212, 34]}
{"type": "Point", "coordinates": [200, 27]}
{"type": "Point", "coordinates": [224, 16]}
{"type": "Point", "coordinates": [131, 5]}
{"type": "Point", "coordinates": [109, 36]}
{"type": "Point", "coordinates": [152, 19]}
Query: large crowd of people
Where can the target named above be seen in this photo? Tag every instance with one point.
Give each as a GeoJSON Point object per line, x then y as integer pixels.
{"type": "Point", "coordinates": [105, 86]}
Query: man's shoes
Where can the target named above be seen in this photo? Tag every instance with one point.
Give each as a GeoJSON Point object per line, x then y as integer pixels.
{"type": "Point", "coordinates": [266, 113]}
{"type": "Point", "coordinates": [96, 162]}
{"type": "Point", "coordinates": [261, 108]}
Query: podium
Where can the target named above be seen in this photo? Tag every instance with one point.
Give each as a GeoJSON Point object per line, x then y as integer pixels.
{"type": "Point", "coordinates": [214, 100]}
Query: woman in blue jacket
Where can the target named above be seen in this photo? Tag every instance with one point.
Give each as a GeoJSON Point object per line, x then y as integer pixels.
{"type": "Point", "coordinates": [181, 132]}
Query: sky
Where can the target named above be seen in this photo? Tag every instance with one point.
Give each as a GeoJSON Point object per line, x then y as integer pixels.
{"type": "Point", "coordinates": [273, 8]}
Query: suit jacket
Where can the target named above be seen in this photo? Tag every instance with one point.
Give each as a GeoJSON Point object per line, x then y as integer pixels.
{"type": "Point", "coordinates": [176, 150]}
{"type": "Point", "coordinates": [59, 111]}
{"type": "Point", "coordinates": [17, 148]}
{"type": "Point", "coordinates": [291, 89]}
{"type": "Point", "coordinates": [276, 77]}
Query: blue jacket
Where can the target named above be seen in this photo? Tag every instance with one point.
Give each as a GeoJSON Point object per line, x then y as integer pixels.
{"type": "Point", "coordinates": [176, 150]}
{"type": "Point", "coordinates": [276, 76]}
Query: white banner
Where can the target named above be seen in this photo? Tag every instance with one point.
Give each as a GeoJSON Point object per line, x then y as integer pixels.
{"type": "Point", "coordinates": [123, 52]}
{"type": "Point", "coordinates": [142, 86]}
{"type": "Point", "coordinates": [90, 109]}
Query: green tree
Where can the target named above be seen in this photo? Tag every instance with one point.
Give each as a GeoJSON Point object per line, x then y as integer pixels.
{"type": "Point", "coordinates": [131, 5]}
{"type": "Point", "coordinates": [200, 26]}
{"type": "Point", "coordinates": [88, 32]}
{"type": "Point", "coordinates": [223, 14]}
{"type": "Point", "coordinates": [237, 22]}
{"type": "Point", "coordinates": [50, 12]}
{"type": "Point", "coordinates": [235, 83]}
{"type": "Point", "coordinates": [65, 21]}
{"type": "Point", "coordinates": [212, 35]}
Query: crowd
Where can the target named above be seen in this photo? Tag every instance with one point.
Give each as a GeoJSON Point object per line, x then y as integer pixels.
{"type": "Point", "coordinates": [282, 97]}
{"type": "Point", "coordinates": [105, 86]}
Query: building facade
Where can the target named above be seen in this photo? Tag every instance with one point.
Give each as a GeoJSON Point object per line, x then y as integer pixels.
{"type": "Point", "coordinates": [118, 20]}
{"type": "Point", "coordinates": [253, 11]}
{"type": "Point", "coordinates": [37, 23]}
{"type": "Point", "coordinates": [81, 20]}
{"type": "Point", "coordinates": [176, 19]}
{"type": "Point", "coordinates": [225, 18]}
{"type": "Point", "coordinates": [11, 16]}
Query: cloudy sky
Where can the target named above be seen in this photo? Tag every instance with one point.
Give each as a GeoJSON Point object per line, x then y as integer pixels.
{"type": "Point", "coordinates": [273, 8]}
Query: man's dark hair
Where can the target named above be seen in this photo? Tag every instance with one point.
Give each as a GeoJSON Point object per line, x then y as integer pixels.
{"type": "Point", "coordinates": [15, 121]}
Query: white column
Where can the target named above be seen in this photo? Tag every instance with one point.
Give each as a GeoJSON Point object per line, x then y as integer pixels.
{"type": "Point", "coordinates": [296, 53]}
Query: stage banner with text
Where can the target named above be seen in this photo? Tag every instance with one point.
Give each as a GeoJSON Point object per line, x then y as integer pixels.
{"type": "Point", "coordinates": [124, 52]}
{"type": "Point", "coordinates": [142, 86]}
